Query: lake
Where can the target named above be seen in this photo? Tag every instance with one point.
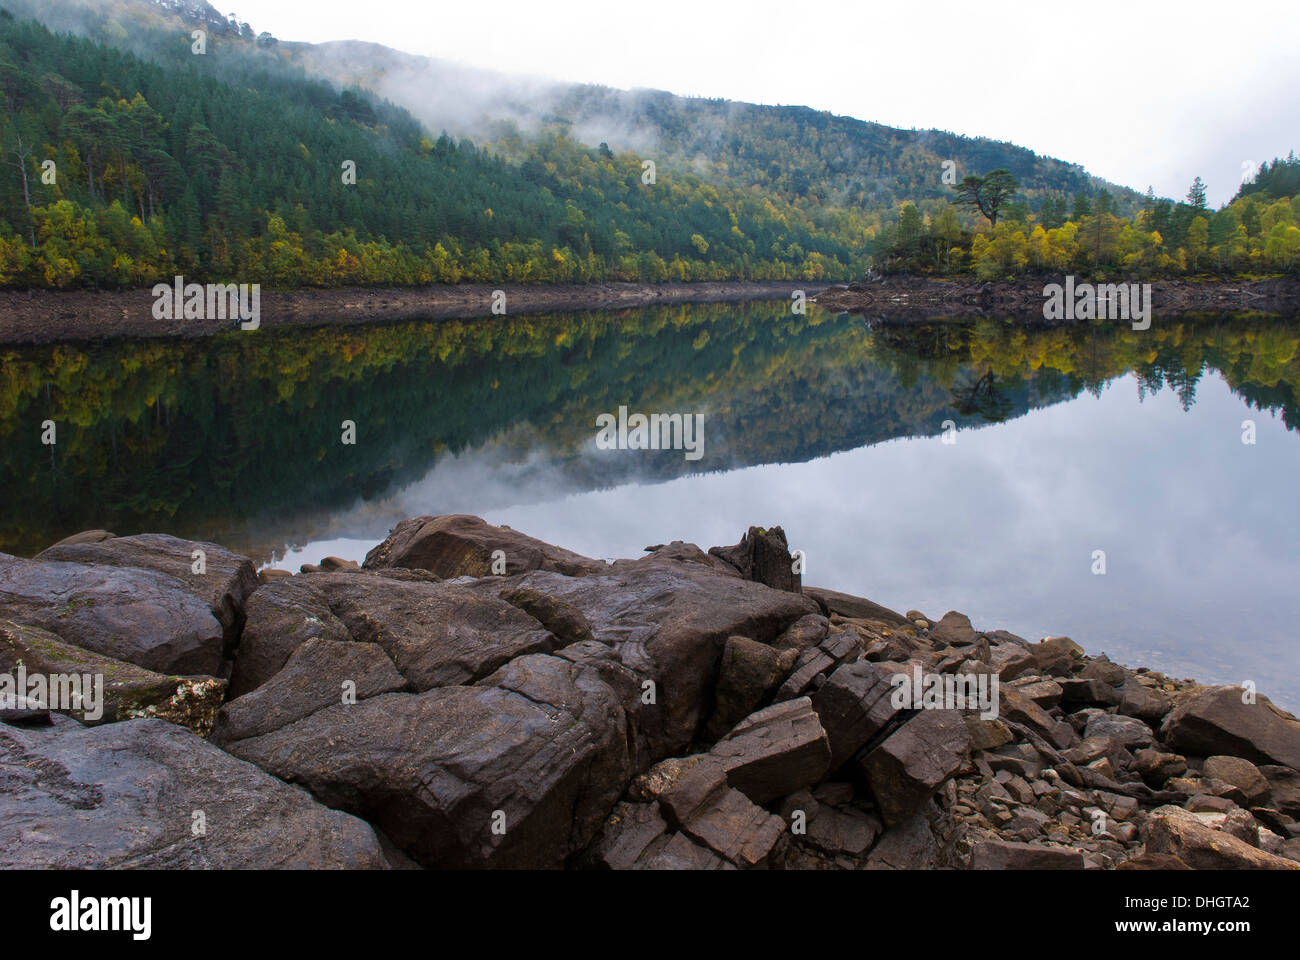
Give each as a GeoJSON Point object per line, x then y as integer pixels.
{"type": "Point", "coordinates": [973, 466]}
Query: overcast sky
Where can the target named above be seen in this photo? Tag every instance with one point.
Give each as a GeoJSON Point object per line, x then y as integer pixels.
{"type": "Point", "coordinates": [1138, 92]}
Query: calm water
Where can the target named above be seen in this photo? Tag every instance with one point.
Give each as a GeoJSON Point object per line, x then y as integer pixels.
{"type": "Point", "coordinates": [1066, 443]}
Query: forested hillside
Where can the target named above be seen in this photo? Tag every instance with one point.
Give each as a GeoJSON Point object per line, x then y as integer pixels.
{"type": "Point", "coordinates": [130, 158]}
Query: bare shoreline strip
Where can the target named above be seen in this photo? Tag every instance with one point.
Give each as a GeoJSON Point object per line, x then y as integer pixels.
{"type": "Point", "coordinates": [48, 316]}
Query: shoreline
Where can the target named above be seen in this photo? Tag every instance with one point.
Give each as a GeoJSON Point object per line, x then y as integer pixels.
{"type": "Point", "coordinates": [905, 298]}
{"type": "Point", "coordinates": [686, 709]}
{"type": "Point", "coordinates": [52, 316]}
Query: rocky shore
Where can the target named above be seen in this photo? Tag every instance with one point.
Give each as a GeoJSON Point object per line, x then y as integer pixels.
{"type": "Point", "coordinates": [473, 697]}
{"type": "Point", "coordinates": [52, 316]}
{"type": "Point", "coordinates": [903, 298]}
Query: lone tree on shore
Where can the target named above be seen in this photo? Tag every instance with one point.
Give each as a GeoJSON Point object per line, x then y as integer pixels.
{"type": "Point", "coordinates": [987, 194]}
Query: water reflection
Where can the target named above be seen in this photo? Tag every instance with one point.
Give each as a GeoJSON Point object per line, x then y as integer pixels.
{"type": "Point", "coordinates": [1068, 441]}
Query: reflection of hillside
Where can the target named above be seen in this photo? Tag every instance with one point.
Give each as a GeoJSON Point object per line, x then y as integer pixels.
{"type": "Point", "coordinates": [211, 437]}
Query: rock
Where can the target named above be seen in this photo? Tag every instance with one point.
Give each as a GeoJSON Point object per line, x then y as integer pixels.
{"type": "Point", "coordinates": [1240, 773]}
{"type": "Point", "coordinates": [679, 852]}
{"type": "Point", "coordinates": [1007, 855]}
{"type": "Point", "coordinates": [1088, 691]}
{"type": "Point", "coordinates": [279, 618]}
{"type": "Point", "coordinates": [124, 795]}
{"type": "Point", "coordinates": [141, 616]}
{"type": "Point", "coordinates": [803, 633]}
{"type": "Point", "coordinates": [1129, 731]}
{"type": "Point", "coordinates": [763, 556]}
{"type": "Point", "coordinates": [270, 575]}
{"type": "Point", "coordinates": [318, 674]}
{"type": "Point", "coordinates": [1055, 656]}
{"type": "Point", "coordinates": [543, 741]}
{"type": "Point", "coordinates": [846, 605]}
{"type": "Point", "coordinates": [564, 620]}
{"type": "Point", "coordinates": [1175, 831]}
{"type": "Point", "coordinates": [735, 828]}
{"type": "Point", "coordinates": [776, 751]}
{"type": "Point", "coordinates": [86, 536]}
{"type": "Point", "coordinates": [127, 691]}
{"type": "Point", "coordinates": [842, 832]}
{"type": "Point", "coordinates": [854, 704]}
{"type": "Point", "coordinates": [953, 630]}
{"type": "Point", "coordinates": [459, 545]}
{"type": "Point", "coordinates": [1216, 721]}
{"type": "Point", "coordinates": [629, 831]}
{"type": "Point", "coordinates": [913, 761]}
{"type": "Point", "coordinates": [1018, 708]}
{"type": "Point", "coordinates": [1284, 788]}
{"type": "Point", "coordinates": [1010, 659]}
{"type": "Point", "coordinates": [1153, 861]}
{"type": "Point", "coordinates": [224, 585]}
{"type": "Point", "coordinates": [330, 564]}
{"type": "Point", "coordinates": [1045, 693]}
{"type": "Point", "coordinates": [22, 712]}
{"type": "Point", "coordinates": [669, 621]}
{"type": "Point", "coordinates": [1143, 703]}
{"type": "Point", "coordinates": [1156, 767]}
{"type": "Point", "coordinates": [910, 845]}
{"type": "Point", "coordinates": [817, 663]}
{"type": "Point", "coordinates": [987, 734]}
{"type": "Point", "coordinates": [436, 634]}
{"type": "Point", "coordinates": [1111, 674]}
{"type": "Point", "coordinates": [750, 673]}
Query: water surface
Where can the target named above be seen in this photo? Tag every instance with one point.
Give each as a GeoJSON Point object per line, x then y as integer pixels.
{"type": "Point", "coordinates": [1066, 442]}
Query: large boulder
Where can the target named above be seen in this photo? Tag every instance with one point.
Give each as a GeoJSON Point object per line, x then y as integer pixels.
{"type": "Point", "coordinates": [148, 618]}
{"type": "Point", "coordinates": [846, 605]}
{"type": "Point", "coordinates": [519, 770]}
{"type": "Point", "coordinates": [775, 751]}
{"type": "Point", "coordinates": [127, 691]}
{"type": "Point", "coordinates": [913, 761]}
{"type": "Point", "coordinates": [437, 634]}
{"type": "Point", "coordinates": [1223, 720]}
{"type": "Point", "coordinates": [668, 618]}
{"type": "Point", "coordinates": [750, 673]}
{"type": "Point", "coordinates": [318, 674]}
{"type": "Point", "coordinates": [459, 545]}
{"type": "Point", "coordinates": [149, 794]}
{"type": "Point", "coordinates": [1180, 833]}
{"type": "Point", "coordinates": [854, 704]}
{"type": "Point", "coordinates": [281, 617]}
{"type": "Point", "coordinates": [225, 583]}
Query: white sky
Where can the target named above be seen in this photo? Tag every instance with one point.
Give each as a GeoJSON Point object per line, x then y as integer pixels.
{"type": "Point", "coordinates": [1138, 92]}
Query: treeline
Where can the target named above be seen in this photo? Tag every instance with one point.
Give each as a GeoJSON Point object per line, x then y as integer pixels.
{"type": "Point", "coordinates": [1257, 233]}
{"type": "Point", "coordinates": [122, 171]}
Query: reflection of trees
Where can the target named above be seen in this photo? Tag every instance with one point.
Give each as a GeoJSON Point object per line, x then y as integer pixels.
{"type": "Point", "coordinates": [981, 397]}
{"type": "Point", "coordinates": [198, 438]}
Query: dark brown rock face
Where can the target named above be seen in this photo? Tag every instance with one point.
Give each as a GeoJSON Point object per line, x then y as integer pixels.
{"type": "Point", "coordinates": [914, 760]}
{"type": "Point", "coordinates": [151, 619]}
{"type": "Point", "coordinates": [459, 545]}
{"type": "Point", "coordinates": [1220, 720]}
{"type": "Point", "coordinates": [225, 583]}
{"type": "Point", "coordinates": [128, 691]}
{"type": "Point", "coordinates": [763, 555]}
{"type": "Point", "coordinates": [519, 770]}
{"type": "Point", "coordinates": [436, 634]}
{"type": "Point", "coordinates": [125, 795]}
{"type": "Point", "coordinates": [668, 620]}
